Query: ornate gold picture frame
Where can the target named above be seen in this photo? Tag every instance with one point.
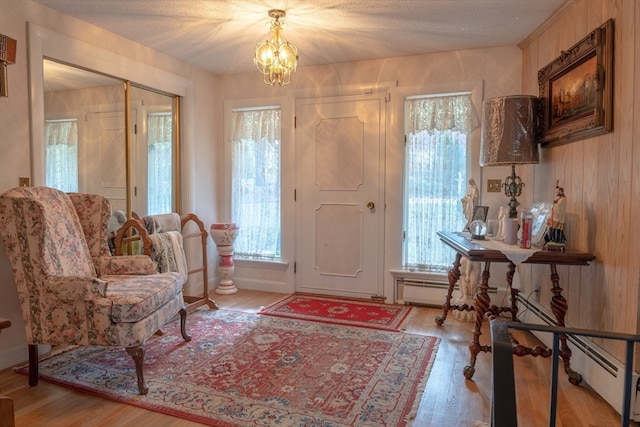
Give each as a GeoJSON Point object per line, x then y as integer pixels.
{"type": "Point", "coordinates": [576, 90]}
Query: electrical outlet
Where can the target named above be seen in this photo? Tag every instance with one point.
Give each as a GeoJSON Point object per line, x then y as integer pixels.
{"type": "Point", "coordinates": [24, 181]}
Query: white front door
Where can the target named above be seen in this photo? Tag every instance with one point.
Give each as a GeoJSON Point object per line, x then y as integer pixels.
{"type": "Point", "coordinates": [339, 195]}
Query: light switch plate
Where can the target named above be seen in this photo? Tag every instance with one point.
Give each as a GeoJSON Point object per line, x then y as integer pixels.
{"type": "Point", "coordinates": [493, 185]}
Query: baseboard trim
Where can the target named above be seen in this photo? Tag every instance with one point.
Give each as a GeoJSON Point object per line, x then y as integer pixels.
{"type": "Point", "coordinates": [261, 285]}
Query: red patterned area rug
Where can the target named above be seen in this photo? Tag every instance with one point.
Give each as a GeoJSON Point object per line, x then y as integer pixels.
{"type": "Point", "coordinates": [243, 369]}
{"type": "Point", "coordinates": [340, 311]}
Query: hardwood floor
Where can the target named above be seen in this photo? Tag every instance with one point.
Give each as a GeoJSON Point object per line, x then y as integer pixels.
{"type": "Point", "coordinates": [448, 400]}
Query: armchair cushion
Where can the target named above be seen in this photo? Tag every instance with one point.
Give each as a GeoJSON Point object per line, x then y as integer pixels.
{"type": "Point", "coordinates": [130, 264]}
{"type": "Point", "coordinates": [134, 297]}
{"type": "Point", "coordinates": [103, 331]}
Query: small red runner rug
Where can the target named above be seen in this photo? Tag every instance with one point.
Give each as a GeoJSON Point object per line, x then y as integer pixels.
{"type": "Point", "coordinates": [340, 311]}
{"type": "Point", "coordinates": [242, 369]}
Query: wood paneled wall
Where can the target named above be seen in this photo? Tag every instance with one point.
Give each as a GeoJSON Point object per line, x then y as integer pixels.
{"type": "Point", "coordinates": [600, 175]}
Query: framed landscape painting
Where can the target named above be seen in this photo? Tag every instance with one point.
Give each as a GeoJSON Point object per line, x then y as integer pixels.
{"type": "Point", "coordinates": [576, 90]}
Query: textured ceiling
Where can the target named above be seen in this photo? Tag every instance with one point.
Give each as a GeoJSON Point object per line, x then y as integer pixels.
{"type": "Point", "coordinates": [220, 35]}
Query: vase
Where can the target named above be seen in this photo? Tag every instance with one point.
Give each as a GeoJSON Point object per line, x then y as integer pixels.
{"type": "Point", "coordinates": [224, 235]}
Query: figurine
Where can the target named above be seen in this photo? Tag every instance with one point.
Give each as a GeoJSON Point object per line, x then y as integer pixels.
{"type": "Point", "coordinates": [555, 237]}
{"type": "Point", "coordinates": [469, 201]}
{"type": "Point", "coordinates": [469, 270]}
{"type": "Point", "coordinates": [503, 212]}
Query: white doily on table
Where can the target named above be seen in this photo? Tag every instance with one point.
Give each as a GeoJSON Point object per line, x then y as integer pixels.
{"type": "Point", "coordinates": [515, 254]}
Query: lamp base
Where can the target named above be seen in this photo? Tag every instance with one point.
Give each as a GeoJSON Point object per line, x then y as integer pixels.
{"type": "Point", "coordinates": [513, 188]}
{"type": "Point", "coordinates": [513, 204]}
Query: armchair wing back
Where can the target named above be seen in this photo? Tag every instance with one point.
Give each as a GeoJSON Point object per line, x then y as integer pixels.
{"type": "Point", "coordinates": [44, 240]}
{"type": "Point", "coordinates": [94, 212]}
{"type": "Point", "coordinates": [71, 290]}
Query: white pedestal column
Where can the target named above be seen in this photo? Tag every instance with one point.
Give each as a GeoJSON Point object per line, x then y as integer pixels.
{"type": "Point", "coordinates": [224, 235]}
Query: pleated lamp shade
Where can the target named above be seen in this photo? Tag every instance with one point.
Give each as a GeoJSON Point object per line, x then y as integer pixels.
{"type": "Point", "coordinates": [509, 127]}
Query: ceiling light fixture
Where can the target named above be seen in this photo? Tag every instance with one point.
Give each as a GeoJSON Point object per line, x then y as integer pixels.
{"type": "Point", "coordinates": [276, 59]}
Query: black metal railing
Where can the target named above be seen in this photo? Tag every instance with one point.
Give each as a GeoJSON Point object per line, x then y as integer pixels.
{"type": "Point", "coordinates": [503, 396]}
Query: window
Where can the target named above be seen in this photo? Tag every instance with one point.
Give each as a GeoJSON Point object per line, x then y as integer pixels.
{"type": "Point", "coordinates": [159, 161]}
{"type": "Point", "coordinates": [437, 147]}
{"type": "Point", "coordinates": [61, 155]}
{"type": "Point", "coordinates": [255, 181]}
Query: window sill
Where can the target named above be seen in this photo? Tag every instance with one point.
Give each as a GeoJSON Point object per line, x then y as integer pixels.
{"type": "Point", "coordinates": [261, 263]}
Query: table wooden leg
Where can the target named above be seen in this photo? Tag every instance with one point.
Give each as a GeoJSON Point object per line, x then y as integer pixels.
{"type": "Point", "coordinates": [454, 276]}
{"type": "Point", "coordinates": [559, 308]}
{"type": "Point", "coordinates": [482, 301]}
{"type": "Point", "coordinates": [511, 269]}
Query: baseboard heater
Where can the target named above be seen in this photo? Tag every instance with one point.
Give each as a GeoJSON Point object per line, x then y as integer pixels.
{"type": "Point", "coordinates": [417, 291]}
{"type": "Point", "coordinates": [426, 289]}
{"type": "Point", "coordinates": [603, 372]}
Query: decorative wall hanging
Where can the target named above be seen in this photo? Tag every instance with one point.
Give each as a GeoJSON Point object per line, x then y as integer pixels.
{"type": "Point", "coordinates": [7, 56]}
{"type": "Point", "coordinates": [576, 90]}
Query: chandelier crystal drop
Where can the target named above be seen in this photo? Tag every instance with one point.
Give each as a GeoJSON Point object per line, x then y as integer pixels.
{"type": "Point", "coordinates": [276, 59]}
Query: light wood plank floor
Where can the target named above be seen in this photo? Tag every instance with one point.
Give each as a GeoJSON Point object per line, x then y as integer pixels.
{"type": "Point", "coordinates": [448, 400]}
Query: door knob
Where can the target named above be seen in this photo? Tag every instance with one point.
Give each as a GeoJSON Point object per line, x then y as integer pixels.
{"type": "Point", "coordinates": [371, 205]}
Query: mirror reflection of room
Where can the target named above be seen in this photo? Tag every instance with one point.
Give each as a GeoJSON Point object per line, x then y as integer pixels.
{"type": "Point", "coordinates": [86, 145]}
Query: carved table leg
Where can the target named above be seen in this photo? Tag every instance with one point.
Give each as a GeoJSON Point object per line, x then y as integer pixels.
{"type": "Point", "coordinates": [482, 301]}
{"type": "Point", "coordinates": [559, 308]}
{"type": "Point", "coordinates": [511, 269]}
{"type": "Point", "coordinates": [454, 275]}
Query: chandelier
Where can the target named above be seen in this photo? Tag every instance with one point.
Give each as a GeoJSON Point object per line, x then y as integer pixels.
{"type": "Point", "coordinates": [276, 59]}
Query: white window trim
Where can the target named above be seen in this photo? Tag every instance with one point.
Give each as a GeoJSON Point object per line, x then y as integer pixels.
{"type": "Point", "coordinates": [287, 171]}
{"type": "Point", "coordinates": [476, 88]}
{"type": "Point", "coordinates": [395, 156]}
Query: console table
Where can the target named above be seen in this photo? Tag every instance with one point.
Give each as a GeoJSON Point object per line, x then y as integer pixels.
{"type": "Point", "coordinates": [6, 404]}
{"type": "Point", "coordinates": [462, 244]}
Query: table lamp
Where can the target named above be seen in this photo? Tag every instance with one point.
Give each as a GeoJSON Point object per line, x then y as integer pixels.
{"type": "Point", "coordinates": [509, 127]}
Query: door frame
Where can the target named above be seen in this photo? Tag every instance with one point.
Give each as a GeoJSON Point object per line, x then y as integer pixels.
{"type": "Point", "coordinates": [382, 94]}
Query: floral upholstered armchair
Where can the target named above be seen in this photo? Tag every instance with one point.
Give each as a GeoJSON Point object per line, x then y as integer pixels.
{"type": "Point", "coordinates": [71, 290]}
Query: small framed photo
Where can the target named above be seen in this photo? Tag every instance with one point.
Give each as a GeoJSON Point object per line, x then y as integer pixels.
{"type": "Point", "coordinates": [480, 212]}
{"type": "Point", "coordinates": [540, 212]}
{"type": "Point", "coordinates": [576, 90]}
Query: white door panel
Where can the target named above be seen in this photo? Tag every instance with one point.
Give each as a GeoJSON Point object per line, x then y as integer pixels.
{"type": "Point", "coordinates": [339, 145]}
{"type": "Point", "coordinates": [102, 158]}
